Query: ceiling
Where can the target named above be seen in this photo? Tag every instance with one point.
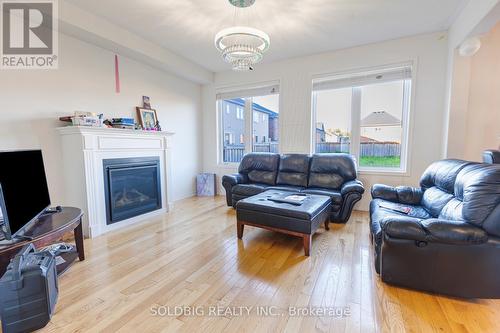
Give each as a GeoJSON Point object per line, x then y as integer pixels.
{"type": "Point", "coordinates": [296, 27]}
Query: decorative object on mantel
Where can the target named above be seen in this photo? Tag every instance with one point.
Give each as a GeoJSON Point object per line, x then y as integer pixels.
{"type": "Point", "coordinates": [205, 185]}
{"type": "Point", "coordinates": [157, 126]}
{"type": "Point", "coordinates": [126, 123]}
{"type": "Point", "coordinates": [146, 103]}
{"type": "Point", "coordinates": [82, 118]}
{"type": "Point", "coordinates": [147, 118]}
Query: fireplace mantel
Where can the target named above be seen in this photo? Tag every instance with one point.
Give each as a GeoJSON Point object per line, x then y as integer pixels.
{"type": "Point", "coordinates": [83, 152]}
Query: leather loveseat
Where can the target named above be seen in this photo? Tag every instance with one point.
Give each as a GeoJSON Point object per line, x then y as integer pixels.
{"type": "Point", "coordinates": [333, 175]}
{"type": "Point", "coordinates": [444, 236]}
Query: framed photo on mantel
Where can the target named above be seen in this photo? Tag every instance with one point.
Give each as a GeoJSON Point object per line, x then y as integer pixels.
{"type": "Point", "coordinates": [147, 117]}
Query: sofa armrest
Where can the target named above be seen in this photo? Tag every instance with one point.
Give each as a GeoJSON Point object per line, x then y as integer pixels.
{"type": "Point", "coordinates": [352, 186]}
{"type": "Point", "coordinates": [234, 179]}
{"type": "Point", "coordinates": [433, 230]}
{"type": "Point", "coordinates": [403, 227]}
{"type": "Point", "coordinates": [401, 194]}
{"type": "Point", "coordinates": [453, 232]}
{"type": "Point", "coordinates": [228, 181]}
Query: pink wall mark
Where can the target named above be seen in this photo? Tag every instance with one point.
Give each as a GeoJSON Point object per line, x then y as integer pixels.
{"type": "Point", "coordinates": [117, 75]}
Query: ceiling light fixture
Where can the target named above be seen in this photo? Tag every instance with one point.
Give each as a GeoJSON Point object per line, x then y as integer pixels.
{"type": "Point", "coordinates": [242, 46]}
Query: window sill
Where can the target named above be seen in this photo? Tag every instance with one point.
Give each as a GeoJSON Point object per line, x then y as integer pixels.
{"type": "Point", "coordinates": [228, 165]}
{"type": "Point", "coordinates": [382, 172]}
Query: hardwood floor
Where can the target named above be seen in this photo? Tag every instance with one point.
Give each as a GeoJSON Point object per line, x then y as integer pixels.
{"type": "Point", "coordinates": [192, 257]}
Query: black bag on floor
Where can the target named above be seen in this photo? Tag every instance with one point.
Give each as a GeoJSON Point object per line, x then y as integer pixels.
{"type": "Point", "coordinates": [28, 291]}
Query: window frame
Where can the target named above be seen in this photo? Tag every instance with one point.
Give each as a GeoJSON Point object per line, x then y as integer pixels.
{"type": "Point", "coordinates": [247, 118]}
{"type": "Point", "coordinates": [356, 97]}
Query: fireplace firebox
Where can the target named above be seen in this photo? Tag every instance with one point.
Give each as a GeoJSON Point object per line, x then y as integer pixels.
{"type": "Point", "coordinates": [132, 187]}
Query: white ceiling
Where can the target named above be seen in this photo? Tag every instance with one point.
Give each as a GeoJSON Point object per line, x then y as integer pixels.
{"type": "Point", "coordinates": [296, 27]}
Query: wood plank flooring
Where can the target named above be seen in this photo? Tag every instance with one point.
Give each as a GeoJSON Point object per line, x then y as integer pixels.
{"type": "Point", "coordinates": [192, 257]}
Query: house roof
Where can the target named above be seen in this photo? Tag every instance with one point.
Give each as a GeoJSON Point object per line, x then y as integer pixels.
{"type": "Point", "coordinates": [365, 139]}
{"type": "Point", "coordinates": [380, 119]}
{"type": "Point", "coordinates": [255, 107]}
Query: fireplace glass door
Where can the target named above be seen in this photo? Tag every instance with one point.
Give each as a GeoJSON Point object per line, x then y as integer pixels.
{"type": "Point", "coordinates": [132, 187]}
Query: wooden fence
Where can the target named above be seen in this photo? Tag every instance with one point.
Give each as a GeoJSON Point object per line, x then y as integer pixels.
{"type": "Point", "coordinates": [367, 149]}
{"type": "Point", "coordinates": [234, 153]}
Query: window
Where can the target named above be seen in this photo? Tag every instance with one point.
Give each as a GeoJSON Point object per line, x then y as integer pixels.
{"type": "Point", "coordinates": [255, 117]}
{"type": "Point", "coordinates": [365, 115]}
{"type": "Point", "coordinates": [240, 113]}
{"type": "Point", "coordinates": [261, 106]}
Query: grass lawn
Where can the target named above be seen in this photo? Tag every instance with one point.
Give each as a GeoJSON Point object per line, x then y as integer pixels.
{"type": "Point", "coordinates": [386, 161]}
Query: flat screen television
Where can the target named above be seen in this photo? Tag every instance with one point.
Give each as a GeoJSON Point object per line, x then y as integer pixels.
{"type": "Point", "coordinates": [24, 194]}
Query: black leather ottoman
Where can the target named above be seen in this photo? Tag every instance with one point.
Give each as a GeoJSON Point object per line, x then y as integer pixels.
{"type": "Point", "coordinates": [297, 220]}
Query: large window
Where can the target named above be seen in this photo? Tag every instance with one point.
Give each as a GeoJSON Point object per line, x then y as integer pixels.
{"type": "Point", "coordinates": [365, 115]}
{"type": "Point", "coordinates": [248, 122]}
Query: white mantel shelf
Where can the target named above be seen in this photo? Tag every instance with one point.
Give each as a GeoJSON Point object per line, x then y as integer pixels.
{"type": "Point", "coordinates": [83, 151]}
{"type": "Point", "coordinates": [107, 130]}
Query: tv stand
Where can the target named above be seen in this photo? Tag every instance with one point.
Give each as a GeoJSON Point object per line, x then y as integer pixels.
{"type": "Point", "coordinates": [47, 230]}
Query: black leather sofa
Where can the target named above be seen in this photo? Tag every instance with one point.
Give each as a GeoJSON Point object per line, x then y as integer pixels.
{"type": "Point", "coordinates": [447, 237]}
{"type": "Point", "coordinates": [491, 156]}
{"type": "Point", "coordinates": [333, 175]}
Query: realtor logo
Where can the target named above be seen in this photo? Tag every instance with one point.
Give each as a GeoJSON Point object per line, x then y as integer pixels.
{"type": "Point", "coordinates": [29, 35]}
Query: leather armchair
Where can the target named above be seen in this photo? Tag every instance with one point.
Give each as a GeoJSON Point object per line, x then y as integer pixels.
{"type": "Point", "coordinates": [333, 175]}
{"type": "Point", "coordinates": [491, 156]}
{"type": "Point", "coordinates": [444, 236]}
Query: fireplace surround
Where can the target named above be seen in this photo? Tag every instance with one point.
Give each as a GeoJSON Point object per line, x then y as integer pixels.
{"type": "Point", "coordinates": [87, 152]}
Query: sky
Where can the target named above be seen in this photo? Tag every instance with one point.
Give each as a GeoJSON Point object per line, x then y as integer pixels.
{"type": "Point", "coordinates": [333, 107]}
{"type": "Point", "coordinates": [270, 102]}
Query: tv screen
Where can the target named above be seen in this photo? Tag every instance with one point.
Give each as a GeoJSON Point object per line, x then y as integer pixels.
{"type": "Point", "coordinates": [24, 188]}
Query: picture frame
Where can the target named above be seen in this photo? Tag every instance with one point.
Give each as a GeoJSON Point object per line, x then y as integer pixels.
{"type": "Point", "coordinates": [146, 102]}
{"type": "Point", "coordinates": [147, 117]}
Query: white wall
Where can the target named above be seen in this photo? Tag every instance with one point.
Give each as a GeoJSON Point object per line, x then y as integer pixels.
{"type": "Point", "coordinates": [32, 100]}
{"type": "Point", "coordinates": [295, 75]}
{"type": "Point", "coordinates": [482, 114]}
{"type": "Point", "coordinates": [476, 18]}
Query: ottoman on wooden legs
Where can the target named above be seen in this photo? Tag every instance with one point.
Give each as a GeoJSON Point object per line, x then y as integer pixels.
{"type": "Point", "coordinates": [298, 220]}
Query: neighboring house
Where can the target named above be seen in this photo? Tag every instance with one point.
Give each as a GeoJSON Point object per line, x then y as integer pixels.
{"type": "Point", "coordinates": [320, 132]}
{"type": "Point", "coordinates": [381, 126]}
{"type": "Point", "coordinates": [265, 123]}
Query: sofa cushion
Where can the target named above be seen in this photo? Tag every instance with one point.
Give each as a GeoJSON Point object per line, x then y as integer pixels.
{"type": "Point", "coordinates": [336, 196]}
{"type": "Point", "coordinates": [260, 167]}
{"type": "Point", "coordinates": [380, 215]}
{"type": "Point", "coordinates": [293, 170]}
{"type": "Point", "coordinates": [286, 188]}
{"type": "Point", "coordinates": [438, 184]}
{"type": "Point", "coordinates": [434, 199]}
{"type": "Point", "coordinates": [249, 189]}
{"type": "Point", "coordinates": [331, 171]}
{"type": "Point", "coordinates": [442, 174]}
{"type": "Point", "coordinates": [478, 187]}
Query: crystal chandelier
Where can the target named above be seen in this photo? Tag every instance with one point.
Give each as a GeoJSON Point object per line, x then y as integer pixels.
{"type": "Point", "coordinates": [241, 46]}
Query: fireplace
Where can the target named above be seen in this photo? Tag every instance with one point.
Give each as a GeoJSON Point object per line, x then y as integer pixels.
{"type": "Point", "coordinates": [132, 187]}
